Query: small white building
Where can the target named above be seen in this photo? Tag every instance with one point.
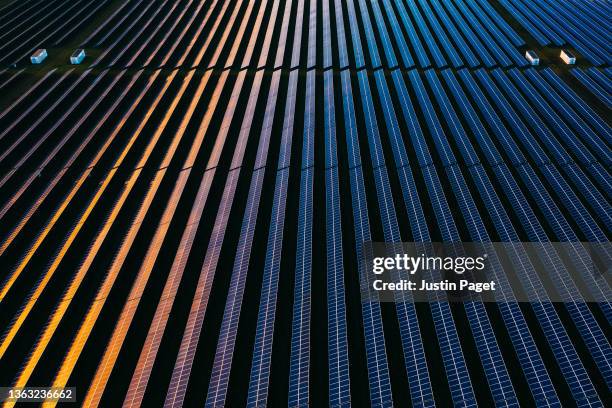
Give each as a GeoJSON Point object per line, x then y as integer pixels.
{"type": "Point", "coordinates": [38, 56]}
{"type": "Point", "coordinates": [532, 57]}
{"type": "Point", "coordinates": [568, 57]}
{"type": "Point", "coordinates": [77, 57]}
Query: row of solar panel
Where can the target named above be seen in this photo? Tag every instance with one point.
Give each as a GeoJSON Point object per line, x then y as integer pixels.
{"type": "Point", "coordinates": [28, 25]}
{"type": "Point", "coordinates": [584, 25]}
{"type": "Point", "coordinates": [395, 33]}
{"type": "Point", "coordinates": [562, 162]}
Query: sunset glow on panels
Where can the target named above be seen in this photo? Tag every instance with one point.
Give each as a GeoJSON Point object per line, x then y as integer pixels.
{"type": "Point", "coordinates": [187, 216]}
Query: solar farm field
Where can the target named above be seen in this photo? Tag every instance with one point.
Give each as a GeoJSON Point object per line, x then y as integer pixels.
{"type": "Point", "coordinates": [183, 214]}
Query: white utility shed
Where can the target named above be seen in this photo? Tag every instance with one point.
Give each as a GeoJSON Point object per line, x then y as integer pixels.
{"type": "Point", "coordinates": [38, 56]}
{"type": "Point", "coordinates": [568, 57]}
{"type": "Point", "coordinates": [532, 57]}
{"type": "Point", "coordinates": [77, 57]}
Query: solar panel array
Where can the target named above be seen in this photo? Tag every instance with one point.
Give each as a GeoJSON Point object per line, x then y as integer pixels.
{"type": "Point", "coordinates": [182, 218]}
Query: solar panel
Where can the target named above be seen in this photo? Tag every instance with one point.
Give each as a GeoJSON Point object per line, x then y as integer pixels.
{"type": "Point", "coordinates": [572, 117]}
{"type": "Point", "coordinates": [587, 42]}
{"type": "Point", "coordinates": [484, 55]}
{"type": "Point", "coordinates": [439, 32]}
{"type": "Point", "coordinates": [592, 86]}
{"type": "Point", "coordinates": [427, 35]}
{"type": "Point", "coordinates": [312, 36]}
{"type": "Point", "coordinates": [500, 36]}
{"type": "Point", "coordinates": [299, 368]}
{"type": "Point", "coordinates": [481, 31]}
{"type": "Point", "coordinates": [600, 78]}
{"type": "Point", "coordinates": [219, 379]}
{"type": "Point", "coordinates": [528, 22]}
{"type": "Point", "coordinates": [254, 33]}
{"type": "Point", "coordinates": [282, 40]}
{"type": "Point", "coordinates": [378, 370]}
{"type": "Point", "coordinates": [355, 36]}
{"type": "Point", "coordinates": [340, 35]}
{"type": "Point", "coordinates": [384, 35]}
{"type": "Point", "coordinates": [262, 349]}
{"type": "Point", "coordinates": [369, 34]}
{"type": "Point", "coordinates": [407, 60]}
{"type": "Point", "coordinates": [414, 354]}
{"type": "Point", "coordinates": [184, 361]}
{"type": "Point", "coordinates": [454, 33]}
{"type": "Point", "coordinates": [499, 21]}
{"type": "Point", "coordinates": [297, 35]}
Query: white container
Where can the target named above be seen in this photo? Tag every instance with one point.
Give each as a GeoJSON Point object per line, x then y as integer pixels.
{"type": "Point", "coordinates": [77, 57]}
{"type": "Point", "coordinates": [39, 56]}
{"type": "Point", "coordinates": [532, 57]}
{"type": "Point", "coordinates": [568, 57]}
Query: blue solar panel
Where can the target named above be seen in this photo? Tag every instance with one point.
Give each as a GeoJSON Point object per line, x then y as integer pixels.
{"type": "Point", "coordinates": [341, 35]}
{"type": "Point", "coordinates": [309, 122]}
{"type": "Point", "coordinates": [299, 368]}
{"type": "Point", "coordinates": [600, 78]}
{"type": "Point", "coordinates": [329, 119]}
{"type": "Point", "coordinates": [465, 147]}
{"type": "Point", "coordinates": [415, 41]}
{"type": "Point", "coordinates": [407, 59]}
{"type": "Point", "coordinates": [339, 390]}
{"type": "Point", "coordinates": [414, 354]}
{"type": "Point", "coordinates": [446, 155]}
{"type": "Point", "coordinates": [369, 34]}
{"type": "Point", "coordinates": [581, 27]}
{"type": "Point", "coordinates": [429, 38]}
{"type": "Point", "coordinates": [499, 21]}
{"type": "Point", "coordinates": [393, 129]}
{"type": "Point", "coordinates": [441, 35]}
{"type": "Point", "coordinates": [327, 32]}
{"type": "Point", "coordinates": [376, 151]}
{"type": "Point", "coordinates": [469, 33]}
{"type": "Point", "coordinates": [529, 24]}
{"type": "Point", "coordinates": [384, 35]}
{"type": "Point", "coordinates": [355, 36]}
{"type": "Point", "coordinates": [481, 31]}
{"type": "Point", "coordinates": [547, 137]}
{"type": "Point", "coordinates": [501, 37]}
{"type": "Point", "coordinates": [553, 119]}
{"type": "Point", "coordinates": [530, 116]}
{"type": "Point", "coordinates": [312, 35]}
{"type": "Point", "coordinates": [471, 117]}
{"type": "Point", "coordinates": [378, 370]}
{"type": "Point", "coordinates": [410, 116]}
{"type": "Point", "coordinates": [531, 361]}
{"type": "Point", "coordinates": [262, 349]}
{"type": "Point", "coordinates": [454, 34]}
{"type": "Point", "coordinates": [350, 125]}
{"type": "Point", "coordinates": [587, 134]}
{"type": "Point", "coordinates": [556, 335]}
{"type": "Point", "coordinates": [587, 42]}
{"type": "Point", "coordinates": [593, 86]}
